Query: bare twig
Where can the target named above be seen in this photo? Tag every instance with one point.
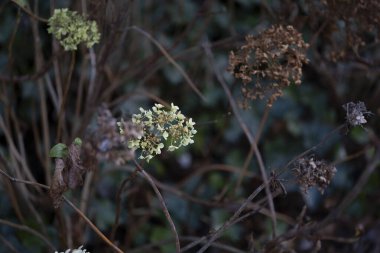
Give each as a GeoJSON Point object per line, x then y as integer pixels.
{"type": "Point", "coordinates": [29, 230]}
{"type": "Point", "coordinates": [202, 239]}
{"type": "Point", "coordinates": [39, 63]}
{"type": "Point", "coordinates": [325, 138]}
{"type": "Point", "coordinates": [246, 131]}
{"type": "Point", "coordinates": [171, 60]}
{"type": "Point", "coordinates": [7, 244]}
{"type": "Point", "coordinates": [27, 10]}
{"type": "Point", "coordinates": [164, 208]}
{"type": "Point", "coordinates": [363, 179]}
{"type": "Point", "coordinates": [118, 202]}
{"type": "Point", "coordinates": [93, 227]}
{"type": "Point", "coordinates": [226, 224]}
{"type": "Point", "coordinates": [61, 114]}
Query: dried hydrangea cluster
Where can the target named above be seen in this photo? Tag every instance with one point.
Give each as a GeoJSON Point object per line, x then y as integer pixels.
{"type": "Point", "coordinates": [272, 60]}
{"type": "Point", "coordinates": [105, 143]}
{"type": "Point", "coordinates": [310, 172]}
{"type": "Point", "coordinates": [70, 29]}
{"type": "Point", "coordinates": [355, 113]}
{"type": "Point", "coordinates": [160, 126]}
{"type": "Point", "coordinates": [360, 18]}
{"type": "Point", "coordinates": [352, 24]}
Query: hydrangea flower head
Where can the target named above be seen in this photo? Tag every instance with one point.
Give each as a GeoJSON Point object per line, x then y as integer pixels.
{"type": "Point", "coordinates": [70, 29]}
{"type": "Point", "coordinates": [160, 127]}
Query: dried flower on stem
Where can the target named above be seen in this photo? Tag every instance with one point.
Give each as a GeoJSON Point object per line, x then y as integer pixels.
{"type": "Point", "coordinates": [106, 143]}
{"type": "Point", "coordinates": [272, 60]}
{"type": "Point", "coordinates": [310, 172]}
{"type": "Point", "coordinates": [355, 113]}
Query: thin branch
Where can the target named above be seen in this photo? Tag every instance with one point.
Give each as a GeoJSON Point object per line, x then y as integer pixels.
{"type": "Point", "coordinates": [225, 225]}
{"type": "Point", "coordinates": [93, 227]}
{"type": "Point", "coordinates": [202, 239]}
{"type": "Point", "coordinates": [325, 138]}
{"type": "Point", "coordinates": [171, 60]}
{"type": "Point", "coordinates": [246, 131]}
{"type": "Point", "coordinates": [221, 246]}
{"type": "Point", "coordinates": [351, 196]}
{"type": "Point", "coordinates": [118, 201]}
{"type": "Point", "coordinates": [61, 114]}
{"type": "Point", "coordinates": [165, 209]}
{"type": "Point", "coordinates": [8, 245]}
{"type": "Point", "coordinates": [31, 14]}
{"type": "Point", "coordinates": [29, 230]}
{"type": "Point", "coordinates": [96, 230]}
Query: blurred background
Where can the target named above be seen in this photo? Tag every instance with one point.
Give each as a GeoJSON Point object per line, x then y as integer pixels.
{"type": "Point", "coordinates": [178, 52]}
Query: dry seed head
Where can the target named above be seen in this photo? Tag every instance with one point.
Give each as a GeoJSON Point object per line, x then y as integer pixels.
{"type": "Point", "coordinates": [108, 141]}
{"type": "Point", "coordinates": [355, 113]}
{"type": "Point", "coordinates": [310, 172]}
{"type": "Point", "coordinates": [272, 61]}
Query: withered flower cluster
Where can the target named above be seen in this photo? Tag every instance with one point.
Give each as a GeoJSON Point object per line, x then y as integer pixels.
{"type": "Point", "coordinates": [355, 113]}
{"type": "Point", "coordinates": [310, 172]}
{"type": "Point", "coordinates": [349, 23]}
{"type": "Point", "coordinates": [106, 142]}
{"type": "Point", "coordinates": [272, 61]}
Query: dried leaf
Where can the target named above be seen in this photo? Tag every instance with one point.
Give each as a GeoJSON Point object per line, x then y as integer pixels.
{"type": "Point", "coordinates": [58, 185]}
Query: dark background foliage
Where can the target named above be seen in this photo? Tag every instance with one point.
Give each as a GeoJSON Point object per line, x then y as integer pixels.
{"type": "Point", "coordinates": [49, 96]}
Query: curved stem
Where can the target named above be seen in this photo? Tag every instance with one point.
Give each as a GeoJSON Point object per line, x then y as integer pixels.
{"type": "Point", "coordinates": [93, 227]}
{"type": "Point", "coordinates": [25, 8]}
{"type": "Point", "coordinates": [29, 230]}
{"type": "Point", "coordinates": [248, 134]}
{"type": "Point", "coordinates": [64, 99]}
{"type": "Point", "coordinates": [118, 202]}
{"type": "Point", "coordinates": [171, 60]}
{"type": "Point", "coordinates": [164, 208]}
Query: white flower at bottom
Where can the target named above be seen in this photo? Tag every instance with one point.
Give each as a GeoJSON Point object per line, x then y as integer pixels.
{"type": "Point", "coordinates": [78, 250]}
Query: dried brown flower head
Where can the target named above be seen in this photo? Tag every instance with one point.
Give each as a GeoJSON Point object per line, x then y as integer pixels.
{"type": "Point", "coordinates": [106, 143]}
{"type": "Point", "coordinates": [310, 172]}
{"type": "Point", "coordinates": [272, 61]}
{"type": "Point", "coordinates": [349, 24]}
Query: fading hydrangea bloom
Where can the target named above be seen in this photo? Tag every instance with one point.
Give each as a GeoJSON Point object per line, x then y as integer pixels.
{"type": "Point", "coordinates": [70, 29]}
{"type": "Point", "coordinates": [78, 250]}
{"type": "Point", "coordinates": [311, 172]}
{"type": "Point", "coordinates": [269, 62]}
{"type": "Point", "coordinates": [161, 127]}
{"type": "Point", "coordinates": [355, 113]}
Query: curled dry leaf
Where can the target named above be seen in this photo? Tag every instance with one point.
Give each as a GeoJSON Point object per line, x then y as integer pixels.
{"type": "Point", "coordinates": [68, 174]}
{"type": "Point", "coordinates": [58, 185]}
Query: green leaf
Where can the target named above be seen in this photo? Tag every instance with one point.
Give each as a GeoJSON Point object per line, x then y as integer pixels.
{"type": "Point", "coordinates": [59, 150]}
{"type": "Point", "coordinates": [77, 141]}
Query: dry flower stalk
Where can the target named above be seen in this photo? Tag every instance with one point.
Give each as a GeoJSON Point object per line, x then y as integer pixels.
{"type": "Point", "coordinates": [272, 60]}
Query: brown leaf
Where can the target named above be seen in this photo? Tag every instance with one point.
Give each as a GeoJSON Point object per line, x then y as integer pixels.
{"type": "Point", "coordinates": [58, 185]}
